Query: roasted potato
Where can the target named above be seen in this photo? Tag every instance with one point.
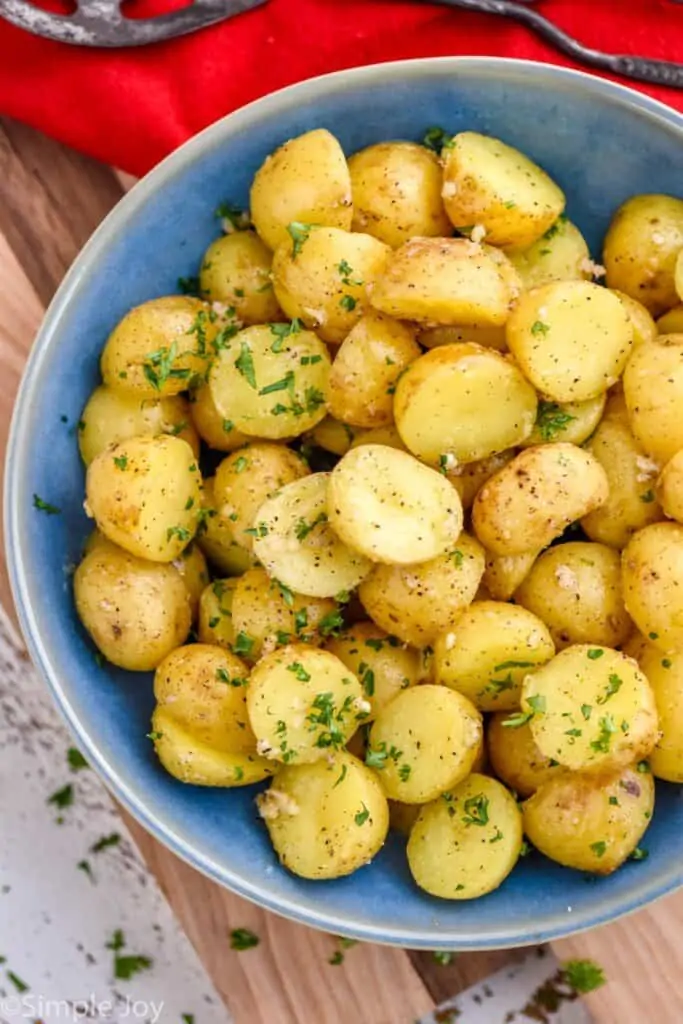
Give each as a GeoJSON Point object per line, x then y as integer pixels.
{"type": "Point", "coordinates": [215, 614]}
{"type": "Point", "coordinates": [571, 422]}
{"type": "Point", "coordinates": [644, 327]}
{"type": "Point", "coordinates": [670, 488]}
{"type": "Point", "coordinates": [216, 537]}
{"type": "Point", "coordinates": [652, 569]}
{"type": "Point", "coordinates": [383, 664]}
{"type": "Point", "coordinates": [665, 675]}
{"type": "Point", "coordinates": [515, 758]}
{"type": "Point", "coordinates": [218, 431]}
{"type": "Point", "coordinates": [504, 573]}
{"type": "Point", "coordinates": [235, 270]}
{"type": "Point", "coordinates": [470, 477]}
{"type": "Point", "coordinates": [653, 389]}
{"type": "Point", "coordinates": [561, 254]}
{"type": "Point", "coordinates": [111, 416]}
{"type": "Point", "coordinates": [193, 569]}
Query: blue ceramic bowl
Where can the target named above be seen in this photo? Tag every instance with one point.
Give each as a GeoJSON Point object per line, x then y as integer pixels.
{"type": "Point", "coordinates": [602, 143]}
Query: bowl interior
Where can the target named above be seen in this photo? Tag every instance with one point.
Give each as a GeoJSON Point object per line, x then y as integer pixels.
{"type": "Point", "coordinates": [602, 143]}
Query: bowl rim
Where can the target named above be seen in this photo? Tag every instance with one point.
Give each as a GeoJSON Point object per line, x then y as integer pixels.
{"type": "Point", "coordinates": [18, 555]}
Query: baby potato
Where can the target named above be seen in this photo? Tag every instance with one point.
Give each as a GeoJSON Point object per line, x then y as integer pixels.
{"type": "Point", "coordinates": [111, 416]}
{"type": "Point", "coordinates": [271, 380]}
{"type": "Point", "coordinates": [381, 662]}
{"type": "Point", "coordinates": [590, 822]}
{"type": "Point", "coordinates": [571, 339]}
{"type": "Point", "coordinates": [217, 538]}
{"type": "Point", "coordinates": [424, 742]}
{"type": "Point", "coordinates": [488, 183]}
{"type": "Point", "coordinates": [444, 281]}
{"type": "Point", "coordinates": [144, 495]}
{"type": "Point", "coordinates": [665, 676]}
{"type": "Point", "coordinates": [297, 545]}
{"type": "Point", "coordinates": [402, 817]}
{"type": "Point", "coordinates": [325, 819]}
{"type": "Point", "coordinates": [160, 346]}
{"type": "Point", "coordinates": [387, 436]}
{"type": "Point", "coordinates": [504, 573]}
{"type": "Point", "coordinates": [192, 567]}
{"type": "Point", "coordinates": [670, 322]}
{"type": "Point", "coordinates": [670, 488]}
{"type": "Point", "coordinates": [644, 327]}
{"type": "Point", "coordinates": [305, 181]}
{"type": "Point", "coordinates": [417, 602]}
{"type": "Point", "coordinates": [572, 422]}
{"type": "Point", "coordinates": [135, 611]}
{"type": "Point", "coordinates": [469, 478]}
{"type": "Point", "coordinates": [631, 502]}
{"type": "Point", "coordinates": [218, 432]}
{"type": "Point", "coordinates": [489, 651]}
{"type": "Point", "coordinates": [515, 758]}
{"type": "Point", "coordinates": [641, 246]}
{"type": "Point", "coordinates": [200, 727]}
{"type": "Point", "coordinates": [653, 389]}
{"type": "Point", "coordinates": [535, 497]}
{"type": "Point", "coordinates": [235, 270]}
{"type": "Point", "coordinates": [439, 402]}
{"type": "Point", "coordinates": [575, 589]}
{"type": "Point", "coordinates": [561, 254]}
{"type": "Point", "coordinates": [678, 274]}
{"type": "Point", "coordinates": [303, 703]}
{"type": "Point", "coordinates": [366, 367]}
{"type": "Point", "coordinates": [245, 479]}
{"type": "Point", "coordinates": [333, 436]}
{"type": "Point", "coordinates": [389, 507]}
{"type": "Point", "coordinates": [489, 337]}
{"type": "Point", "coordinates": [652, 569]}
{"type": "Point", "coordinates": [270, 615]}
{"type": "Point", "coordinates": [325, 278]}
{"type": "Point", "coordinates": [591, 709]}
{"type": "Point", "coordinates": [467, 842]}
{"type": "Point", "coordinates": [215, 614]}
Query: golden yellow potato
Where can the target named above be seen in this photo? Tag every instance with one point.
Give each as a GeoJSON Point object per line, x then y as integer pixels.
{"type": "Point", "coordinates": [215, 614]}
{"type": "Point", "coordinates": [235, 270]}
{"type": "Point", "coordinates": [466, 843]}
{"type": "Point", "coordinates": [326, 278]}
{"type": "Point", "coordinates": [631, 474]}
{"type": "Point", "coordinates": [271, 380]}
{"type": "Point", "coordinates": [652, 569]}
{"type": "Point", "coordinates": [383, 664]}
{"type": "Point", "coordinates": [462, 403]}
{"type": "Point", "coordinates": [297, 545]}
{"type": "Point", "coordinates": [644, 327]}
{"type": "Point", "coordinates": [111, 416]}
{"type": "Point", "coordinates": [469, 477]}
{"type": "Point", "coordinates": [200, 727]}
{"type": "Point", "coordinates": [516, 759]}
{"type": "Point", "coordinates": [417, 602]}
{"type": "Point", "coordinates": [216, 537]}
{"type": "Point", "coordinates": [670, 488]}
{"type": "Point", "coordinates": [570, 338]}
{"type": "Point", "coordinates": [389, 507]}
{"type": "Point", "coordinates": [160, 347]}
{"type": "Point", "coordinates": [670, 322]}
{"type": "Point", "coordinates": [575, 589]}
{"type": "Point", "coordinates": [678, 274]}
{"type": "Point", "coordinates": [590, 708]}
{"type": "Point", "coordinates": [489, 337]}
{"type": "Point", "coordinates": [388, 436]}
{"type": "Point", "coordinates": [572, 422]}
{"type": "Point", "coordinates": [402, 817]}
{"type": "Point", "coordinates": [306, 181]}
{"type": "Point", "coordinates": [488, 183]}
{"type": "Point", "coordinates": [504, 573]}
{"type": "Point", "coordinates": [561, 254]}
{"type": "Point", "coordinates": [444, 281]}
{"type": "Point", "coordinates": [396, 190]}
{"type": "Point", "coordinates": [653, 389]}
{"type": "Point", "coordinates": [532, 499]}
{"type": "Point", "coordinates": [590, 822]}
{"type": "Point", "coordinates": [333, 436]}
{"type": "Point", "coordinates": [218, 431]}
{"type": "Point", "coordinates": [136, 611]}
{"type": "Point", "coordinates": [192, 567]}
{"type": "Point", "coordinates": [325, 819]}
{"type": "Point", "coordinates": [424, 742]}
{"type": "Point", "coordinates": [145, 494]}
{"type": "Point", "coordinates": [665, 675]}
{"type": "Point", "coordinates": [488, 652]}
{"type": "Point", "coordinates": [245, 479]}
{"type": "Point", "coordinates": [303, 703]}
{"type": "Point", "coordinates": [366, 368]}
{"type": "Point", "coordinates": [641, 246]}
{"type": "Point", "coordinates": [271, 615]}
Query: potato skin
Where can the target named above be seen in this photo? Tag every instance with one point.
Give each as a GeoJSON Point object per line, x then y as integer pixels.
{"type": "Point", "coordinates": [652, 568]}
{"type": "Point", "coordinates": [470, 477]}
{"type": "Point", "coordinates": [219, 432]}
{"type": "Point", "coordinates": [670, 322]}
{"type": "Point", "coordinates": [504, 573]}
{"type": "Point", "coordinates": [383, 665]}
{"type": "Point", "coordinates": [653, 389]}
{"type": "Point", "coordinates": [305, 180]}
{"type": "Point", "coordinates": [318, 824]}
{"type": "Point", "coordinates": [441, 398]}
{"type": "Point", "coordinates": [532, 499]}
{"type": "Point", "coordinates": [665, 675]}
{"type": "Point", "coordinates": [590, 822]}
{"type": "Point", "coordinates": [144, 495]}
{"type": "Point", "coordinates": [515, 758]}
{"type": "Point", "coordinates": [111, 416]}
{"type": "Point", "coordinates": [670, 488]}
{"type": "Point", "coordinates": [575, 589]}
{"type": "Point", "coordinates": [217, 537]}
{"type": "Point", "coordinates": [136, 611]}
{"type": "Point", "coordinates": [491, 184]}
{"type": "Point", "coordinates": [467, 842]}
{"type": "Point", "coordinates": [235, 270]}
{"type": "Point", "coordinates": [215, 614]}
{"type": "Point", "coordinates": [644, 327]}
{"type": "Point", "coordinates": [194, 573]}
{"type": "Point", "coordinates": [641, 246]}
{"type": "Point", "coordinates": [417, 602]}
{"type": "Point", "coordinates": [561, 254]}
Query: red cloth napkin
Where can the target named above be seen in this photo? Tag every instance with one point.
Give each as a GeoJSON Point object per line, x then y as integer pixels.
{"type": "Point", "coordinates": [131, 107]}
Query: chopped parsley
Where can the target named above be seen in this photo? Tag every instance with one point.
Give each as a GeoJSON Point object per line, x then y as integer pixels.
{"type": "Point", "coordinates": [648, 497]}
{"type": "Point", "coordinates": [538, 327]}
{"type": "Point", "coordinates": [237, 219]}
{"type": "Point", "coordinates": [126, 967]}
{"type": "Point", "coordinates": [586, 711]}
{"type": "Point", "coordinates": [63, 797]}
{"type": "Point", "coordinates": [299, 233]}
{"type": "Point", "coordinates": [518, 720]}
{"type": "Point", "coordinates": [243, 644]}
{"type": "Point", "coordinates": [639, 854]}
{"type": "Point", "coordinates": [345, 272]}
{"type": "Point", "coordinates": [18, 983]}
{"type": "Point", "coordinates": [436, 139]}
{"type": "Point", "coordinates": [302, 528]}
{"type": "Point", "coordinates": [362, 816]}
{"type": "Point", "coordinates": [240, 464]}
{"type": "Point", "coordinates": [367, 679]}
{"type": "Point", "coordinates": [284, 331]}
{"type": "Point", "coordinates": [299, 671]}
{"type": "Point", "coordinates": [244, 364]}
{"type": "Point", "coordinates": [300, 620]}
{"type": "Point", "coordinates": [348, 303]}
{"type": "Point", "coordinates": [178, 531]}
{"type": "Point", "coordinates": [442, 957]}
{"type": "Point", "coordinates": [45, 506]}
{"type": "Point", "coordinates": [324, 715]}
{"type": "Point", "coordinates": [404, 772]}
{"type": "Point", "coordinates": [613, 686]}
{"type": "Point", "coordinates": [476, 810]}
{"type": "Point", "coordinates": [607, 727]}
{"type": "Point", "coordinates": [113, 839]}
{"type": "Point", "coordinates": [666, 663]}
{"type": "Point", "coordinates": [458, 559]}
{"type": "Point", "coordinates": [331, 624]}
{"type": "Point", "coordinates": [243, 938]}
{"type": "Point", "coordinates": [643, 767]}
{"type": "Point", "coordinates": [583, 975]}
{"type": "Point", "coordinates": [228, 426]}
{"type": "Point", "coordinates": [552, 420]}
{"type": "Point", "coordinates": [121, 461]}
{"type": "Point", "coordinates": [595, 653]}
{"type": "Point", "coordinates": [599, 848]}
{"type": "Point", "coordinates": [223, 676]}
{"type": "Point", "coordinates": [75, 760]}
{"type": "Point", "coordinates": [158, 366]}
{"type": "Point", "coordinates": [377, 757]}
{"type": "Point", "coordinates": [341, 778]}
{"type": "Point", "coordinates": [285, 383]}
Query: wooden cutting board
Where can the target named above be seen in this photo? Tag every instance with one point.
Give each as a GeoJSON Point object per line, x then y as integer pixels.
{"type": "Point", "coordinates": [51, 199]}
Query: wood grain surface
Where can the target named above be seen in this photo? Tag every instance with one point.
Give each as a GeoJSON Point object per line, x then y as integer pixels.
{"type": "Point", "coordinates": [51, 199]}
